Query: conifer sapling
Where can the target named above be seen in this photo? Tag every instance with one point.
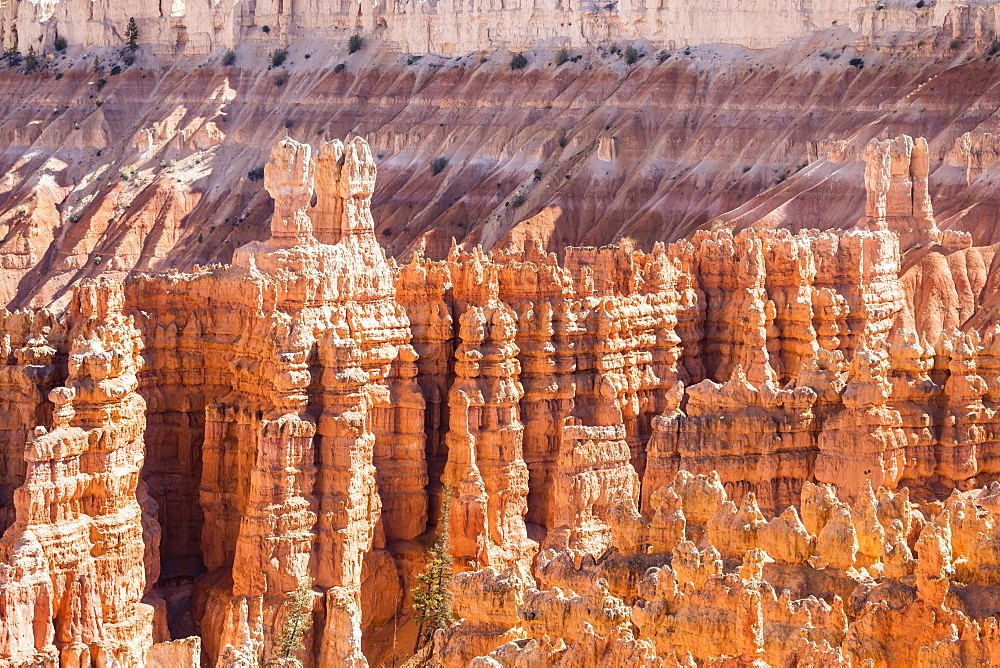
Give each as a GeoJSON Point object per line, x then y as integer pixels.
{"type": "Point", "coordinates": [432, 599]}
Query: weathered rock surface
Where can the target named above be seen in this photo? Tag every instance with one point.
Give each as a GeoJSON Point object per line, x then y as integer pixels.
{"type": "Point", "coordinates": [852, 589]}
{"type": "Point", "coordinates": [195, 28]}
{"type": "Point", "coordinates": [739, 448]}
{"type": "Point", "coordinates": [712, 135]}
{"type": "Point", "coordinates": [81, 555]}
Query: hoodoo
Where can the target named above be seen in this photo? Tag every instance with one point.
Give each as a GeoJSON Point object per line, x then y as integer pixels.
{"type": "Point", "coordinates": [620, 335]}
{"type": "Point", "coordinates": [291, 429]}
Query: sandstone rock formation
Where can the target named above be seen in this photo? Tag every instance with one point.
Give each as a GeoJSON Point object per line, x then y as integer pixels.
{"type": "Point", "coordinates": [199, 28]}
{"type": "Point", "coordinates": [190, 131]}
{"type": "Point", "coordinates": [80, 557]}
{"type": "Point", "coordinates": [737, 447]}
{"type": "Point", "coordinates": [315, 395]}
{"type": "Point", "coordinates": [847, 591]}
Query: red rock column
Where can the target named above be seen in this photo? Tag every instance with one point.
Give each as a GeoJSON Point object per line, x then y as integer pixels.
{"type": "Point", "coordinates": [485, 462]}
{"type": "Point", "coordinates": [27, 374]}
{"type": "Point", "coordinates": [988, 368]}
{"type": "Point", "coordinates": [863, 442]}
{"type": "Point", "coordinates": [913, 395]}
{"type": "Point", "coordinates": [962, 429]}
{"type": "Point", "coordinates": [75, 559]}
{"type": "Point", "coordinates": [421, 286]}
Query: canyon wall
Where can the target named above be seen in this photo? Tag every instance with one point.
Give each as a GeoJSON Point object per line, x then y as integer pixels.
{"type": "Point", "coordinates": [715, 441]}
{"type": "Point", "coordinates": [757, 429]}
{"type": "Point", "coordinates": [155, 167]}
{"type": "Point", "coordinates": [198, 27]}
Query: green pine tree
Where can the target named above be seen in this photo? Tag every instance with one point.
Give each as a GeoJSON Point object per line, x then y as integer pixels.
{"type": "Point", "coordinates": [298, 619]}
{"type": "Point", "coordinates": [132, 34]}
{"type": "Point", "coordinates": [432, 599]}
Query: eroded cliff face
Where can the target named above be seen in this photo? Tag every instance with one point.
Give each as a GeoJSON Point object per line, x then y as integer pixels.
{"type": "Point", "coordinates": [197, 27]}
{"type": "Point", "coordinates": [79, 553]}
{"type": "Point", "coordinates": [156, 176]}
{"type": "Point", "coordinates": [736, 449]}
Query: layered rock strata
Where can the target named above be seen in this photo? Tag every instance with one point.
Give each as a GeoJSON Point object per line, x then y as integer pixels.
{"type": "Point", "coordinates": [198, 28]}
{"type": "Point", "coordinates": [302, 411]}
{"type": "Point", "coordinates": [80, 556]}
{"type": "Point", "coordinates": [313, 446]}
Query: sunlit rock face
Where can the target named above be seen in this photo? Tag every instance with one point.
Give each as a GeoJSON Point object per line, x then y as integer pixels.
{"type": "Point", "coordinates": [197, 28]}
{"type": "Point", "coordinates": [79, 555]}
{"type": "Point", "coordinates": [741, 447]}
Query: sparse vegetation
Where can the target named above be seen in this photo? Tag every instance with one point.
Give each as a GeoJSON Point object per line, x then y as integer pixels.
{"type": "Point", "coordinates": [279, 81]}
{"type": "Point", "coordinates": [632, 55]}
{"type": "Point", "coordinates": [96, 65]}
{"type": "Point", "coordinates": [518, 62]}
{"type": "Point", "coordinates": [355, 43]}
{"type": "Point", "coordinates": [12, 55]}
{"type": "Point", "coordinates": [662, 56]}
{"type": "Point", "coordinates": [100, 83]}
{"type": "Point", "coordinates": [857, 62]}
{"type": "Point", "coordinates": [60, 44]}
{"type": "Point", "coordinates": [127, 172]}
{"type": "Point", "coordinates": [266, 30]}
{"type": "Point", "coordinates": [256, 174]}
{"type": "Point", "coordinates": [614, 50]}
{"type": "Point", "coordinates": [438, 164]}
{"type": "Point", "coordinates": [563, 140]}
{"type": "Point", "coordinates": [99, 103]}
{"type": "Point", "coordinates": [289, 123]}
{"type": "Point", "coordinates": [31, 60]}
{"type": "Point", "coordinates": [132, 34]}
{"type": "Point", "coordinates": [537, 175]}
{"type": "Point", "coordinates": [97, 261]}
{"type": "Point", "coordinates": [518, 200]}
{"type": "Point", "coordinates": [298, 619]}
{"type": "Point", "coordinates": [562, 55]}
{"type": "Point", "coordinates": [278, 57]}
{"type": "Point", "coordinates": [229, 59]}
{"type": "Point", "coordinates": [339, 68]}
{"type": "Point", "coordinates": [432, 598]}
